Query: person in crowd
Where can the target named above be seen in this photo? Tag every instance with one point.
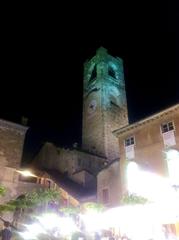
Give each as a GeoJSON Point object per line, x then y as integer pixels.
{"type": "Point", "coordinates": [6, 233]}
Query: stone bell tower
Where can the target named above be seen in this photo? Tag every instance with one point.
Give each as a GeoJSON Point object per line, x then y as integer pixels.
{"type": "Point", "coordinates": [104, 104]}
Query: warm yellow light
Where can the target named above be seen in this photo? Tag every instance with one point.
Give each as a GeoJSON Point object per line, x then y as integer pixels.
{"type": "Point", "coordinates": [26, 173]}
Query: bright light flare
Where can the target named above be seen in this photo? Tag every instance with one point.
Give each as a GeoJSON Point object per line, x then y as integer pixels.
{"type": "Point", "coordinates": [60, 225]}
{"type": "Point", "coordinates": [172, 154]}
{"type": "Point", "coordinates": [28, 235]}
{"type": "Point", "coordinates": [141, 221]}
{"type": "Point", "coordinates": [49, 221]}
{"type": "Point", "coordinates": [149, 185]}
{"type": "Point", "coordinates": [94, 221]}
{"type": "Point", "coordinates": [50, 224]}
{"type": "Point", "coordinates": [67, 226]}
{"type": "Point", "coordinates": [173, 165]}
{"type": "Point", "coordinates": [26, 173]}
{"type": "Point", "coordinates": [35, 228]}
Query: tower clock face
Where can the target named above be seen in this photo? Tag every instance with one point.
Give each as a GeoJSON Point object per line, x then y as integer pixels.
{"type": "Point", "coordinates": [92, 106]}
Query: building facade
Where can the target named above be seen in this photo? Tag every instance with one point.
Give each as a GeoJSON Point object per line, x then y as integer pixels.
{"type": "Point", "coordinates": [147, 144]}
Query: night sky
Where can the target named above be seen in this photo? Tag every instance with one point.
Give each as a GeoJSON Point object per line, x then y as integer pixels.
{"type": "Point", "coordinates": [43, 53]}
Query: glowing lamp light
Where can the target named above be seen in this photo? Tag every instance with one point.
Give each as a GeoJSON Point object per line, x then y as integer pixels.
{"type": "Point", "coordinates": [50, 225]}
{"type": "Point", "coordinates": [142, 221]}
{"type": "Point", "coordinates": [172, 154]}
{"type": "Point", "coordinates": [49, 220]}
{"type": "Point", "coordinates": [132, 167]}
{"type": "Point", "coordinates": [52, 221]}
{"type": "Point", "coordinates": [28, 235]}
{"type": "Point", "coordinates": [133, 176]}
{"type": "Point", "coordinates": [94, 221]}
{"type": "Point", "coordinates": [26, 173]}
{"type": "Point", "coordinates": [35, 228]}
{"type": "Point", "coordinates": [173, 165]}
{"type": "Point", "coordinates": [149, 185]}
{"type": "Point", "coordinates": [67, 226]}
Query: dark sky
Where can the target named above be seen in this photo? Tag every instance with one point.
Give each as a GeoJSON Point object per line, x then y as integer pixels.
{"type": "Point", "coordinates": [43, 53]}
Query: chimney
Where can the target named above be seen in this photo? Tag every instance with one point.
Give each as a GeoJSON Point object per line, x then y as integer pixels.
{"type": "Point", "coordinates": [24, 120]}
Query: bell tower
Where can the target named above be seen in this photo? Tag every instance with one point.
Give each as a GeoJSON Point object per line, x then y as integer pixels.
{"type": "Point", "coordinates": [104, 104]}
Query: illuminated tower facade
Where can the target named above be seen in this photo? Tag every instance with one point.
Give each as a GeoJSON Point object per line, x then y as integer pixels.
{"type": "Point", "coordinates": [104, 104]}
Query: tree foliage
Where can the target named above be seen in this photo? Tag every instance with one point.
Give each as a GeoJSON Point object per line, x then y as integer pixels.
{"type": "Point", "coordinates": [70, 210]}
{"type": "Point", "coordinates": [83, 208]}
{"type": "Point", "coordinates": [31, 199]}
{"type": "Point", "coordinates": [132, 199]}
{"type": "Point", "coordinates": [2, 191]}
{"type": "Point", "coordinates": [93, 206]}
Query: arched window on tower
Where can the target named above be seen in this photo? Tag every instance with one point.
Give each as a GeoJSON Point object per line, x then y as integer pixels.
{"type": "Point", "coordinates": [93, 74]}
{"type": "Point", "coordinates": [111, 72]}
{"type": "Point", "coordinates": [113, 101]}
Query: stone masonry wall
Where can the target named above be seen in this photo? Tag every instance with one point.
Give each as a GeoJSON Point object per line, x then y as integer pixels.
{"type": "Point", "coordinates": [115, 118]}
{"type": "Point", "coordinates": [11, 143]}
{"type": "Point", "coordinates": [108, 179]}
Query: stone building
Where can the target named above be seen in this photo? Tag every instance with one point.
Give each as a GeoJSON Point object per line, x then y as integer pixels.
{"type": "Point", "coordinates": [108, 184]}
{"type": "Point", "coordinates": [68, 161]}
{"type": "Point", "coordinates": [104, 110]}
{"type": "Point", "coordinates": [11, 143]}
{"type": "Point", "coordinates": [11, 147]}
{"type": "Point", "coordinates": [145, 143]}
{"type": "Point", "coordinates": [12, 137]}
{"type": "Point", "coordinates": [73, 170]}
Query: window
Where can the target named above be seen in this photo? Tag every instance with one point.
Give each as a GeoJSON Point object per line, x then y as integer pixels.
{"type": "Point", "coordinates": [111, 72]}
{"type": "Point", "coordinates": [93, 74]}
{"type": "Point", "coordinates": [114, 99]}
{"type": "Point", "coordinates": [129, 141]}
{"type": "Point", "coordinates": [168, 134]}
{"type": "Point", "coordinates": [105, 195]}
{"type": "Point", "coordinates": [129, 147]}
{"type": "Point", "coordinates": [166, 127]}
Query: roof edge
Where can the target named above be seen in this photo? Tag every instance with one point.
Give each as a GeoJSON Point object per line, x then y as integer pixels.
{"type": "Point", "coordinates": [12, 125]}
{"type": "Point", "coordinates": [153, 117]}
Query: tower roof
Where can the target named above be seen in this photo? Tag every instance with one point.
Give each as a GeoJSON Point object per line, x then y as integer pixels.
{"type": "Point", "coordinates": [101, 50]}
